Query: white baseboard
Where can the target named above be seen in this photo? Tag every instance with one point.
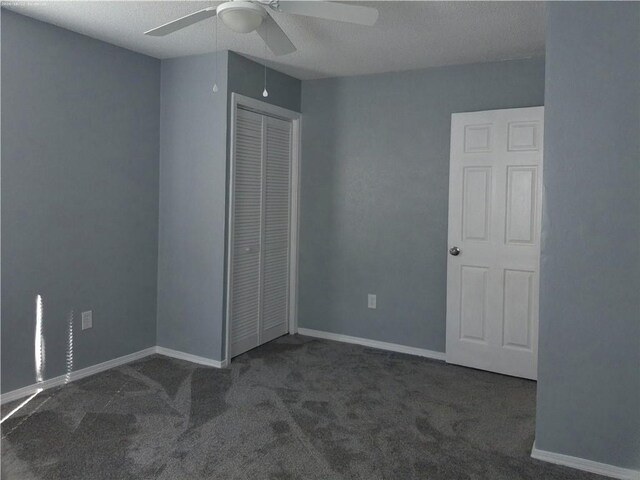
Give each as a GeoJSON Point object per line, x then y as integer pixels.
{"type": "Point", "coordinates": [585, 465]}
{"type": "Point", "coordinates": [393, 347]}
{"type": "Point", "coordinates": [101, 367]}
{"type": "Point", "coordinates": [167, 352]}
{"type": "Point", "coordinates": [76, 375]}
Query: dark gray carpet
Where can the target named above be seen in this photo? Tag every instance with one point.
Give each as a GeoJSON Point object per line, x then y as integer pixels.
{"type": "Point", "coordinates": [296, 408]}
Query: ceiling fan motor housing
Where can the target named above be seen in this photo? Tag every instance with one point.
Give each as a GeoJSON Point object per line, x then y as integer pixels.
{"type": "Point", "coordinates": [241, 16]}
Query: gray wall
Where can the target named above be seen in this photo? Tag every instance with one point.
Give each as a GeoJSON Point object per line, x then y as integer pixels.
{"type": "Point", "coordinates": [193, 158]}
{"type": "Point", "coordinates": [375, 180]}
{"type": "Point", "coordinates": [247, 78]}
{"type": "Point", "coordinates": [589, 367]}
{"type": "Point", "coordinates": [193, 179]}
{"type": "Point", "coordinates": [80, 126]}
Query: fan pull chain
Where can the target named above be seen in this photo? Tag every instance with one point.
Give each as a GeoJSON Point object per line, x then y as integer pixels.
{"type": "Point", "coordinates": [266, 36]}
{"type": "Point", "coordinates": [215, 60]}
{"type": "Point", "coordinates": [264, 92]}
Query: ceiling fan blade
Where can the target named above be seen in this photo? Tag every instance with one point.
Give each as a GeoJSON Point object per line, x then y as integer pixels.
{"type": "Point", "coordinates": [331, 11]}
{"type": "Point", "coordinates": [274, 37]}
{"type": "Point", "coordinates": [182, 22]}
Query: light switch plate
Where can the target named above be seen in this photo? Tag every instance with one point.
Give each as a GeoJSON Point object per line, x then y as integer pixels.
{"type": "Point", "coordinates": [371, 300]}
{"type": "Point", "coordinates": [87, 319]}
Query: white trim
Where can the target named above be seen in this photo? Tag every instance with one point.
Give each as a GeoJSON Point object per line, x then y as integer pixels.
{"type": "Point", "coordinates": [262, 107]}
{"type": "Point", "coordinates": [167, 352]}
{"type": "Point", "coordinates": [393, 347]}
{"type": "Point", "coordinates": [101, 367]}
{"type": "Point", "coordinates": [77, 375]}
{"type": "Point", "coordinates": [230, 226]}
{"type": "Point", "coordinates": [296, 155]}
{"type": "Point", "coordinates": [295, 118]}
{"type": "Point", "coordinates": [585, 465]}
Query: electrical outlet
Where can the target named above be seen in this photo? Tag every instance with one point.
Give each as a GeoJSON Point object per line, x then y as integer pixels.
{"type": "Point", "coordinates": [87, 319]}
{"type": "Point", "coordinates": [371, 301]}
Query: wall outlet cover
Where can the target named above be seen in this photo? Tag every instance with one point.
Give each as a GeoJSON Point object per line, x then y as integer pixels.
{"type": "Point", "coordinates": [371, 301]}
{"type": "Point", "coordinates": [87, 319]}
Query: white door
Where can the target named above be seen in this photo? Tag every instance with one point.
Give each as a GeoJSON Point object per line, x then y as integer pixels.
{"type": "Point", "coordinates": [276, 225]}
{"type": "Point", "coordinates": [260, 223]}
{"type": "Point", "coordinates": [495, 196]}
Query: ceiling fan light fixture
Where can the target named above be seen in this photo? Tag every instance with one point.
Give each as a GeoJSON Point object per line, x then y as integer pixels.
{"type": "Point", "coordinates": [241, 16]}
{"type": "Point", "coordinates": [246, 16]}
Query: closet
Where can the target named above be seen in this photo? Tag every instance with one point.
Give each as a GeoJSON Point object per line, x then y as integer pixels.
{"type": "Point", "coordinates": [260, 223]}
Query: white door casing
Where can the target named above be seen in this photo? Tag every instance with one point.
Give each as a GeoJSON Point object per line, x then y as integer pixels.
{"type": "Point", "coordinates": [262, 252]}
{"type": "Point", "coordinates": [495, 198]}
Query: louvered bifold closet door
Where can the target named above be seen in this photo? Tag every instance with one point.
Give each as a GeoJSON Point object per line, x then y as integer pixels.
{"type": "Point", "coordinates": [275, 246]}
{"type": "Point", "coordinates": [247, 232]}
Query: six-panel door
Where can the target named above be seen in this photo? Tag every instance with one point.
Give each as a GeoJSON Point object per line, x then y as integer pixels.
{"type": "Point", "coordinates": [494, 220]}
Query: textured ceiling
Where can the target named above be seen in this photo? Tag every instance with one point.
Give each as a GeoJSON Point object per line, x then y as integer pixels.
{"type": "Point", "coordinates": [408, 35]}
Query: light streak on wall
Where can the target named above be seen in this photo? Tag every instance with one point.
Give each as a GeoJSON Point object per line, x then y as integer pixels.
{"type": "Point", "coordinates": [39, 349]}
{"type": "Point", "coordinates": [67, 377]}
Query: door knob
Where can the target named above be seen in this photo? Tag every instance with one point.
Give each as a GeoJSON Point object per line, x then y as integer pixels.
{"type": "Point", "coordinates": [455, 251]}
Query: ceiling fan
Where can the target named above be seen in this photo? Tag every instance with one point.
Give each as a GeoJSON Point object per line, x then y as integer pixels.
{"type": "Point", "coordinates": [244, 16]}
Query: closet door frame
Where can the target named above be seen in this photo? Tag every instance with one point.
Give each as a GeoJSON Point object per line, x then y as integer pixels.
{"type": "Point", "coordinates": [295, 118]}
